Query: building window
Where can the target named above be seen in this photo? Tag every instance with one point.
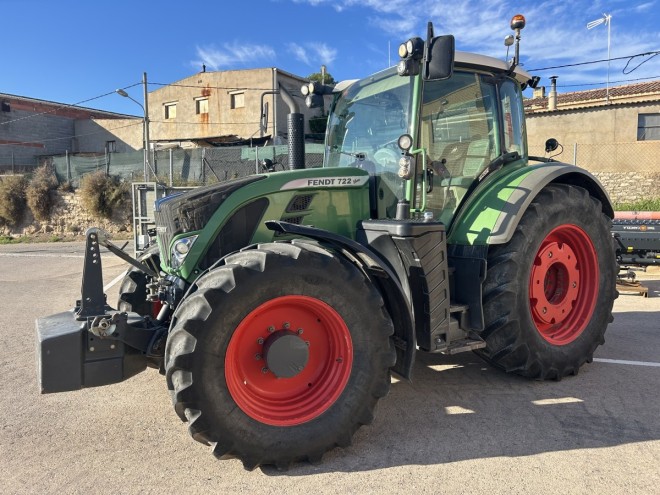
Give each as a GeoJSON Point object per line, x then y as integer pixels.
{"type": "Point", "coordinates": [111, 146]}
{"type": "Point", "coordinates": [170, 110]}
{"type": "Point", "coordinates": [648, 127]}
{"type": "Point", "coordinates": [237, 100]}
{"type": "Point", "coordinates": [201, 105]}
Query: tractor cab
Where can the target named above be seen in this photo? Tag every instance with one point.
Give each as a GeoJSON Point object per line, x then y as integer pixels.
{"type": "Point", "coordinates": [428, 133]}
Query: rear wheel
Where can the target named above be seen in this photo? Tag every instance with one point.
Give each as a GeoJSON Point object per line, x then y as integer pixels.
{"type": "Point", "coordinates": [549, 292]}
{"type": "Point", "coordinates": [272, 358]}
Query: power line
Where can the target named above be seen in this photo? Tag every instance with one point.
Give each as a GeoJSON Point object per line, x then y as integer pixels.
{"type": "Point", "coordinates": [601, 83]}
{"type": "Point", "coordinates": [66, 105]}
{"type": "Point", "coordinates": [199, 123]}
{"type": "Point", "coordinates": [595, 61]}
{"type": "Point", "coordinates": [209, 87]}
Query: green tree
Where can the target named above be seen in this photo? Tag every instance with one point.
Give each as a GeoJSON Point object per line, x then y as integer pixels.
{"type": "Point", "coordinates": [316, 77]}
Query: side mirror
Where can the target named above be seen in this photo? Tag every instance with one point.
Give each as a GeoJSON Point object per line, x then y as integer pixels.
{"type": "Point", "coordinates": [439, 62]}
{"type": "Point", "coordinates": [551, 145]}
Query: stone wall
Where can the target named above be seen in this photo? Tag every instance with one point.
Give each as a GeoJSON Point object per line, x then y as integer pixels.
{"type": "Point", "coordinates": [69, 220]}
{"type": "Point", "coordinates": [629, 187]}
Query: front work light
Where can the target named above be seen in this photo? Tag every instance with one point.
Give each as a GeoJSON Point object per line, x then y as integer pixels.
{"type": "Point", "coordinates": [411, 52]}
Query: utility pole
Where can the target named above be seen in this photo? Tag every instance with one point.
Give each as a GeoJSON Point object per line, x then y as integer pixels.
{"type": "Point", "coordinates": [147, 144]}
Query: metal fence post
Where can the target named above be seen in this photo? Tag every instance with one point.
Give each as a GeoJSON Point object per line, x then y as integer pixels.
{"type": "Point", "coordinates": [171, 168]}
{"type": "Point", "coordinates": [574, 153]}
{"type": "Point", "coordinates": [68, 166]}
{"type": "Point", "coordinates": [203, 169]}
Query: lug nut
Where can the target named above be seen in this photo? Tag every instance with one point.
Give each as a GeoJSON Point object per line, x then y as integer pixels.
{"type": "Point", "coordinates": [286, 325]}
{"type": "Point", "coordinates": [271, 329]}
{"type": "Point", "coordinates": [299, 331]}
{"type": "Point", "coordinates": [260, 341]}
{"type": "Point", "coordinates": [257, 356]}
{"type": "Point", "coordinates": [264, 370]}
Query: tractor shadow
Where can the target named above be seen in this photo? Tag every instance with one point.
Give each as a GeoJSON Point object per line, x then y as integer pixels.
{"type": "Point", "coordinates": [459, 408]}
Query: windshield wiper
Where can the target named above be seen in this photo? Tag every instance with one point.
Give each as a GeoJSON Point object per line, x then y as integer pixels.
{"type": "Point", "coordinates": [358, 156]}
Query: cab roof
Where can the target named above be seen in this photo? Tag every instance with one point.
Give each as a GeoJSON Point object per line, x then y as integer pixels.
{"type": "Point", "coordinates": [469, 61]}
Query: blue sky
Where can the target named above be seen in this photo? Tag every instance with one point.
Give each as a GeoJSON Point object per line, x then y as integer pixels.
{"type": "Point", "coordinates": [73, 50]}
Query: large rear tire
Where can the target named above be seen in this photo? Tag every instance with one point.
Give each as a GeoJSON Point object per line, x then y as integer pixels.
{"type": "Point", "coordinates": [549, 292]}
{"type": "Point", "coordinates": [279, 355]}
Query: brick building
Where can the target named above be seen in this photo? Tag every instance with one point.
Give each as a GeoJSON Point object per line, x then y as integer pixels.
{"type": "Point", "coordinates": [31, 128]}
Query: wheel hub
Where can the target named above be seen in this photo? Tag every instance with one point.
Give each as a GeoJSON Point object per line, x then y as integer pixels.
{"type": "Point", "coordinates": [554, 283]}
{"type": "Point", "coordinates": [285, 353]}
{"type": "Point", "coordinates": [563, 284]}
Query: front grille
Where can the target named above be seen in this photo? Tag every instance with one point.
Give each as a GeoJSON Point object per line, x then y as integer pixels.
{"type": "Point", "coordinates": [298, 203]}
{"type": "Point", "coordinates": [192, 210]}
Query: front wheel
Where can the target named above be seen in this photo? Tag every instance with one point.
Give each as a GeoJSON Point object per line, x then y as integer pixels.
{"type": "Point", "coordinates": [279, 355]}
{"type": "Point", "coordinates": [549, 292]}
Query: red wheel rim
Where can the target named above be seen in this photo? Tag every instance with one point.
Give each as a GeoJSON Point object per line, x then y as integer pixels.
{"type": "Point", "coordinates": [563, 284]}
{"type": "Point", "coordinates": [289, 401]}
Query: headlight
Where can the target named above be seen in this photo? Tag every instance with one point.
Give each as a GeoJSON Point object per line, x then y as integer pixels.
{"type": "Point", "coordinates": [180, 250]}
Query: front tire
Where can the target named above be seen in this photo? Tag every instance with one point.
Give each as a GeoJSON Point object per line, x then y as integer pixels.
{"type": "Point", "coordinates": [549, 292]}
{"type": "Point", "coordinates": [279, 355]}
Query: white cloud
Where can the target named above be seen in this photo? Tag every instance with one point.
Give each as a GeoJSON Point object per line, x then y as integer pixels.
{"type": "Point", "coordinates": [325, 54]}
{"type": "Point", "coordinates": [299, 52]}
{"type": "Point", "coordinates": [555, 34]}
{"type": "Point", "coordinates": [312, 54]}
{"type": "Point", "coordinates": [232, 54]}
{"type": "Point", "coordinates": [645, 7]}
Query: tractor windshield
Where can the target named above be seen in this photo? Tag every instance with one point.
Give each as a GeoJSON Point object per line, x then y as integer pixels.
{"type": "Point", "coordinates": [366, 121]}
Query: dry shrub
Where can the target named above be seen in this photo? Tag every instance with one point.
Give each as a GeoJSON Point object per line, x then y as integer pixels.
{"type": "Point", "coordinates": [12, 199]}
{"type": "Point", "coordinates": [39, 192]}
{"type": "Point", "coordinates": [102, 194]}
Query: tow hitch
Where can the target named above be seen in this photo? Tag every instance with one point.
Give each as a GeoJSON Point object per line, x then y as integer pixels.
{"type": "Point", "coordinates": [93, 344]}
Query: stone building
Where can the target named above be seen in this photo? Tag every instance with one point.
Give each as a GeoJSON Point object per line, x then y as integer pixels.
{"type": "Point", "coordinates": [238, 107]}
{"type": "Point", "coordinates": [31, 128]}
{"type": "Point", "coordinates": [614, 134]}
{"type": "Point", "coordinates": [227, 106]}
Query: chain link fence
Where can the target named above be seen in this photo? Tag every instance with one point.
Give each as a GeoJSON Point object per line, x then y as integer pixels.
{"type": "Point", "coordinates": [182, 167]}
{"type": "Point", "coordinates": [629, 172]}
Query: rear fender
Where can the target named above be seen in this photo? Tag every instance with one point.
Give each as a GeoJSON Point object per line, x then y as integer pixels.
{"type": "Point", "coordinates": [493, 211]}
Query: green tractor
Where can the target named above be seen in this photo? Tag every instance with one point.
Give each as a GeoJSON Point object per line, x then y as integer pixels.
{"type": "Point", "coordinates": [278, 305]}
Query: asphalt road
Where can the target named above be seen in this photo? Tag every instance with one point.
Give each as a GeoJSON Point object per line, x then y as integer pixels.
{"type": "Point", "coordinates": [459, 427]}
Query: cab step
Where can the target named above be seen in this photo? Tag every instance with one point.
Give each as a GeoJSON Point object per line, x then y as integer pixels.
{"type": "Point", "coordinates": [464, 345]}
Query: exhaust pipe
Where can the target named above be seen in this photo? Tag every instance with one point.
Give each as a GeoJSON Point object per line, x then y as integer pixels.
{"type": "Point", "coordinates": [295, 122]}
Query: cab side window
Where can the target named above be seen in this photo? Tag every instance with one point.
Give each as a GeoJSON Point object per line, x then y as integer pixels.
{"type": "Point", "coordinates": [459, 133]}
{"type": "Point", "coordinates": [458, 124]}
{"type": "Point", "coordinates": [514, 123]}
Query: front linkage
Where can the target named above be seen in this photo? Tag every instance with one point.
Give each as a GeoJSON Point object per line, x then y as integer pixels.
{"type": "Point", "coordinates": [94, 344]}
